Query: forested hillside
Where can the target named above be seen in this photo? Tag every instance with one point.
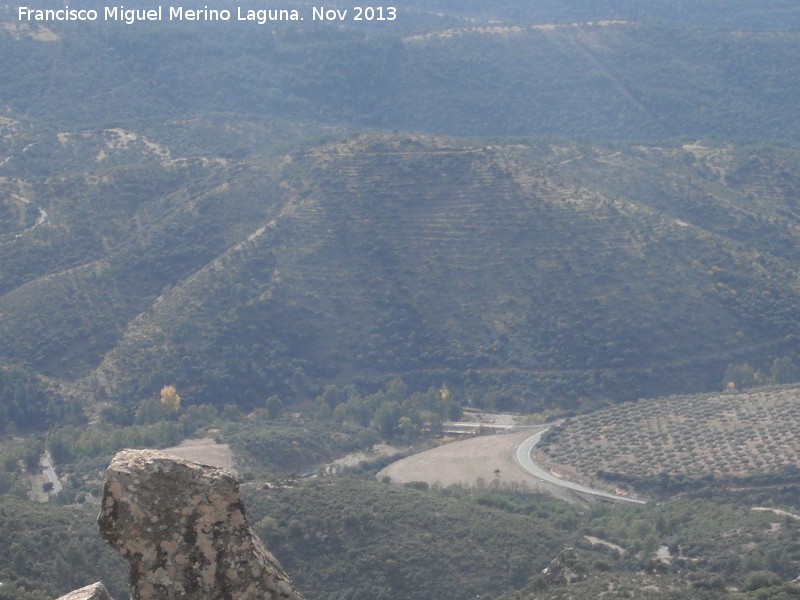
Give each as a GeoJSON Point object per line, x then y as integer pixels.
{"type": "Point", "coordinates": [373, 541]}
{"type": "Point", "coordinates": [219, 220]}
{"type": "Point", "coordinates": [439, 544]}
{"type": "Point", "coordinates": [523, 275]}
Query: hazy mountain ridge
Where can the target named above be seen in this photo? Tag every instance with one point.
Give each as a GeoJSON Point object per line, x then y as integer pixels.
{"type": "Point", "coordinates": [605, 72]}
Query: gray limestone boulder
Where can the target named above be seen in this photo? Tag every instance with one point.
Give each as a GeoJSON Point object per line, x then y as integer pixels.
{"type": "Point", "coordinates": [182, 528]}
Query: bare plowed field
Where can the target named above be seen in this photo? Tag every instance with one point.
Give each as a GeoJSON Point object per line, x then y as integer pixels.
{"type": "Point", "coordinates": [483, 461]}
{"type": "Point", "coordinates": [204, 451]}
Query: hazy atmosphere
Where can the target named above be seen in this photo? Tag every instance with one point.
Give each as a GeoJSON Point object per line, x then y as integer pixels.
{"type": "Point", "coordinates": [474, 299]}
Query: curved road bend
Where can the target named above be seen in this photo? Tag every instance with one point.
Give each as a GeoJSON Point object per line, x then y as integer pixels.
{"type": "Point", "coordinates": [523, 457]}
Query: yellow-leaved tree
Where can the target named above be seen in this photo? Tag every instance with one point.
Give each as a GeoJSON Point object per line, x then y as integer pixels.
{"type": "Point", "coordinates": [170, 399]}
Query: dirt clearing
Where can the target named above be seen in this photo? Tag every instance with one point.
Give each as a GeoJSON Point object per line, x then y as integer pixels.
{"type": "Point", "coordinates": [204, 451]}
{"type": "Point", "coordinates": [483, 461]}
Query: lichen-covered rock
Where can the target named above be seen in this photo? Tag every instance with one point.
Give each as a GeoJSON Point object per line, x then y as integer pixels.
{"type": "Point", "coordinates": [96, 591]}
{"type": "Point", "coordinates": [182, 528]}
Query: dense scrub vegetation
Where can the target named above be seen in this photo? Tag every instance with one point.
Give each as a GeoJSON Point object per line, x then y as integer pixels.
{"type": "Point", "coordinates": [267, 442]}
{"type": "Point", "coordinates": [49, 550]}
{"type": "Point", "coordinates": [372, 540]}
{"type": "Point", "coordinates": [26, 402]}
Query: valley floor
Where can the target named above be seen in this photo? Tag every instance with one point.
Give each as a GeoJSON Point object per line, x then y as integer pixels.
{"type": "Point", "coordinates": [483, 461]}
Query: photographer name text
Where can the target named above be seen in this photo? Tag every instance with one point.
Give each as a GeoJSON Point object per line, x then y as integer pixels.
{"type": "Point", "coordinates": [261, 16]}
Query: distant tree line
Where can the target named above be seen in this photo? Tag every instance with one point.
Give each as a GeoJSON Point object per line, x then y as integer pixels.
{"type": "Point", "coordinates": [27, 404]}
{"type": "Point", "coordinates": [390, 414]}
{"type": "Point", "coordinates": [742, 376]}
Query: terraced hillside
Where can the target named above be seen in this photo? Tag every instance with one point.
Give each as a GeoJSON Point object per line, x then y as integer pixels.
{"type": "Point", "coordinates": [680, 441]}
{"type": "Point", "coordinates": [523, 275]}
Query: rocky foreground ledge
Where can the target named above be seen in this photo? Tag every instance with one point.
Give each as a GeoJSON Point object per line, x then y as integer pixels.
{"type": "Point", "coordinates": [182, 528]}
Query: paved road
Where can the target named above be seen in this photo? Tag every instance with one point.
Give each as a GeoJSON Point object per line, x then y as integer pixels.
{"type": "Point", "coordinates": [523, 457]}
{"type": "Point", "coordinates": [50, 473]}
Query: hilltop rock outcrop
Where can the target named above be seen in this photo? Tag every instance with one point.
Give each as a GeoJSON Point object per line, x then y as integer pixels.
{"type": "Point", "coordinates": [565, 568]}
{"type": "Point", "coordinates": [183, 530]}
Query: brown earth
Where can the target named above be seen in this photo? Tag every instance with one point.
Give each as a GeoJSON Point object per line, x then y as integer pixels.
{"type": "Point", "coordinates": [204, 451]}
{"type": "Point", "coordinates": [483, 461]}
